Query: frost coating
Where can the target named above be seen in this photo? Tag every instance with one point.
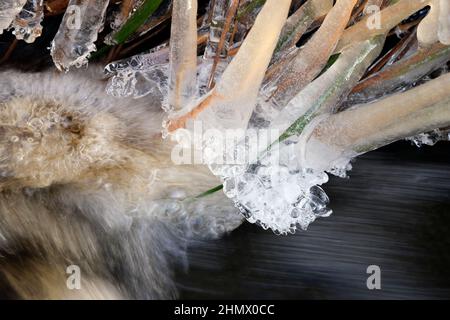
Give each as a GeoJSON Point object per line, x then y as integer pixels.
{"type": "Point", "coordinates": [8, 10]}
{"type": "Point", "coordinates": [77, 33]}
{"type": "Point", "coordinates": [27, 25]}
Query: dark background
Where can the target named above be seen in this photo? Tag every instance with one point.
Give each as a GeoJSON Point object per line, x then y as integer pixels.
{"type": "Point", "coordinates": [393, 212]}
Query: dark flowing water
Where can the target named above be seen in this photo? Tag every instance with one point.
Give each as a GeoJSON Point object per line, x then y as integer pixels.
{"type": "Point", "coordinates": [393, 212]}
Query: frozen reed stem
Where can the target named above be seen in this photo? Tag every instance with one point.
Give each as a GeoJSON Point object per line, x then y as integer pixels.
{"type": "Point", "coordinates": [311, 59]}
{"type": "Point", "coordinates": [231, 102]}
{"type": "Point", "coordinates": [390, 18]}
{"type": "Point", "coordinates": [401, 73]}
{"type": "Point", "coordinates": [183, 53]}
{"type": "Point", "coordinates": [323, 94]}
{"type": "Point", "coordinates": [370, 126]}
{"type": "Point", "coordinates": [298, 23]}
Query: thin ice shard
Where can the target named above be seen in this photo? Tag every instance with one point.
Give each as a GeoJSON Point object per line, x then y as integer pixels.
{"type": "Point", "coordinates": [27, 25]}
{"type": "Point", "coordinates": [77, 33]}
{"type": "Point", "coordinates": [8, 11]}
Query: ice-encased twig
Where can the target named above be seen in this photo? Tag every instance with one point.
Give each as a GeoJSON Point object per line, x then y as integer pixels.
{"type": "Point", "coordinates": [400, 74]}
{"type": "Point", "coordinates": [145, 16]}
{"type": "Point", "coordinates": [444, 22]}
{"type": "Point", "coordinates": [218, 19]}
{"type": "Point", "coordinates": [8, 11]}
{"type": "Point", "coordinates": [367, 127]}
{"type": "Point", "coordinates": [126, 9]}
{"type": "Point", "coordinates": [323, 94]}
{"type": "Point", "coordinates": [224, 40]}
{"type": "Point", "coordinates": [77, 33]}
{"type": "Point", "coordinates": [427, 31]}
{"type": "Point", "coordinates": [183, 53]}
{"type": "Point", "coordinates": [230, 104]}
{"type": "Point", "coordinates": [389, 18]}
{"type": "Point", "coordinates": [311, 59]}
{"type": "Point", "coordinates": [27, 24]}
{"type": "Point", "coordinates": [298, 23]}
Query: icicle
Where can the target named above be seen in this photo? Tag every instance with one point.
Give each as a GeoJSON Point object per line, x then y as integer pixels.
{"type": "Point", "coordinates": [183, 53]}
{"type": "Point", "coordinates": [27, 25]}
{"type": "Point", "coordinates": [8, 11]}
{"type": "Point", "coordinates": [77, 33]}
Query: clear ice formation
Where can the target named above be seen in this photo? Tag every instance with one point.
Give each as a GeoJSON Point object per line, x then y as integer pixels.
{"type": "Point", "coordinates": [430, 138]}
{"type": "Point", "coordinates": [140, 75]}
{"type": "Point", "coordinates": [275, 192]}
{"type": "Point", "coordinates": [8, 11]}
{"type": "Point", "coordinates": [27, 24]}
{"type": "Point", "coordinates": [77, 33]}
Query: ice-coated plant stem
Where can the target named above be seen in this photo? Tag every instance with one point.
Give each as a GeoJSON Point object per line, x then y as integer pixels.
{"type": "Point", "coordinates": [367, 127]}
{"type": "Point", "coordinates": [230, 104]}
{"type": "Point", "coordinates": [404, 72]}
{"type": "Point", "coordinates": [298, 23]}
{"type": "Point", "coordinates": [183, 53]}
{"type": "Point", "coordinates": [444, 22]}
{"type": "Point", "coordinates": [311, 59]}
{"type": "Point", "coordinates": [323, 94]}
{"type": "Point", "coordinates": [136, 20]}
{"type": "Point", "coordinates": [77, 33]}
{"type": "Point", "coordinates": [427, 31]}
{"type": "Point", "coordinates": [390, 17]}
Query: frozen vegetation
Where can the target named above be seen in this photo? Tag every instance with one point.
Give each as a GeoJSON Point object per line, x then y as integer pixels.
{"type": "Point", "coordinates": [329, 100]}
